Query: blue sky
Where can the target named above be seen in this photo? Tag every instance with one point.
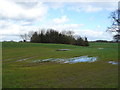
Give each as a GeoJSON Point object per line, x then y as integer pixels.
{"type": "Point", "coordinates": [88, 19]}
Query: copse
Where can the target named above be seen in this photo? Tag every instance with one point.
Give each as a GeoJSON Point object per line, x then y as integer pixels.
{"type": "Point", "coordinates": [53, 36]}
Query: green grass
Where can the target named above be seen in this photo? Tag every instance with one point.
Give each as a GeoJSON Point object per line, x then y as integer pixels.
{"type": "Point", "coordinates": [99, 74]}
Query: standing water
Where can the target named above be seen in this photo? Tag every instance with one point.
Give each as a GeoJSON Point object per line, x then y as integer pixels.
{"type": "Point", "coordinates": [112, 62]}
{"type": "Point", "coordinates": [70, 60]}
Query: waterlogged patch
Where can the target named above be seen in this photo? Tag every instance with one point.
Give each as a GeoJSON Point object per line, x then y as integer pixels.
{"type": "Point", "coordinates": [112, 62]}
{"type": "Point", "coordinates": [100, 48]}
{"type": "Point", "coordinates": [62, 49]}
{"type": "Point", "coordinates": [69, 60]}
{"type": "Point", "coordinates": [81, 59]}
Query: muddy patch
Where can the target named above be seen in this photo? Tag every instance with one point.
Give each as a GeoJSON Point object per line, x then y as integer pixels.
{"type": "Point", "coordinates": [69, 60]}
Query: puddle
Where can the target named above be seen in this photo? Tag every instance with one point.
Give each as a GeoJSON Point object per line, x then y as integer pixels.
{"type": "Point", "coordinates": [81, 59]}
{"type": "Point", "coordinates": [69, 60]}
{"type": "Point", "coordinates": [62, 49]}
{"type": "Point", "coordinates": [100, 48]}
{"type": "Point", "coordinates": [112, 62]}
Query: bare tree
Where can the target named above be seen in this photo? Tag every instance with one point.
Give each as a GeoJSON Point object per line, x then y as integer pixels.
{"type": "Point", "coordinates": [26, 36]}
{"type": "Point", "coordinates": [30, 34]}
{"type": "Point", "coordinates": [70, 33]}
{"type": "Point", "coordinates": [115, 17]}
{"type": "Point", "coordinates": [67, 32]}
{"type": "Point", "coordinates": [115, 27]}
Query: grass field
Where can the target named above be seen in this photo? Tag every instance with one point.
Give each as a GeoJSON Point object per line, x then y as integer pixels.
{"type": "Point", "coordinates": [25, 74]}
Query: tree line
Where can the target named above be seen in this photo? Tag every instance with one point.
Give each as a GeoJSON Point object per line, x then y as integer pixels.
{"type": "Point", "coordinates": [53, 36]}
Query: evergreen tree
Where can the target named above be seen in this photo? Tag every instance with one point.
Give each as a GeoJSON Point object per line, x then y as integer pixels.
{"type": "Point", "coordinates": [35, 38]}
{"type": "Point", "coordinates": [52, 36]}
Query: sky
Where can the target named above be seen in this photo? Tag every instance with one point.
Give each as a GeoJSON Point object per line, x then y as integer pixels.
{"type": "Point", "coordinates": [87, 19]}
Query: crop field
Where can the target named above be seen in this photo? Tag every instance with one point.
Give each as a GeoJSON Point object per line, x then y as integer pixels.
{"type": "Point", "coordinates": [20, 71]}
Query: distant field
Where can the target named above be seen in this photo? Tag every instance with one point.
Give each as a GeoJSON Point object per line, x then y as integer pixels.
{"type": "Point", "coordinates": [25, 74]}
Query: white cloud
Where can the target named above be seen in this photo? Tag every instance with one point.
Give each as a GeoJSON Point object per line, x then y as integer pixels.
{"type": "Point", "coordinates": [60, 20]}
{"type": "Point", "coordinates": [8, 28]}
{"type": "Point", "coordinates": [61, 27]}
{"type": "Point", "coordinates": [56, 5]}
{"type": "Point", "coordinates": [11, 31]}
{"type": "Point", "coordinates": [86, 7]}
{"type": "Point", "coordinates": [12, 28]}
{"type": "Point", "coordinates": [93, 6]}
{"type": "Point", "coordinates": [98, 26]}
{"type": "Point", "coordinates": [19, 17]}
{"type": "Point", "coordinates": [12, 10]}
{"type": "Point", "coordinates": [90, 8]}
{"type": "Point", "coordinates": [94, 34]}
{"type": "Point", "coordinates": [78, 0]}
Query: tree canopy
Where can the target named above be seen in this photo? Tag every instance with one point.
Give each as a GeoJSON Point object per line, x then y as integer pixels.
{"type": "Point", "coordinates": [53, 36]}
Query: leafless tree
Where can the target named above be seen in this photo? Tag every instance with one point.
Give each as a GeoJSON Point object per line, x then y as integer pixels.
{"type": "Point", "coordinates": [70, 33]}
{"type": "Point", "coordinates": [67, 32]}
{"type": "Point", "coordinates": [115, 17]}
{"type": "Point", "coordinates": [23, 37]}
{"type": "Point", "coordinates": [30, 33]}
{"type": "Point", "coordinates": [26, 36]}
{"type": "Point", "coordinates": [115, 26]}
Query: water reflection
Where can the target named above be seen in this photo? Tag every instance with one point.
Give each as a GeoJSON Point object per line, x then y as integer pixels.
{"type": "Point", "coordinates": [112, 62]}
{"type": "Point", "coordinates": [100, 48]}
{"type": "Point", "coordinates": [69, 60]}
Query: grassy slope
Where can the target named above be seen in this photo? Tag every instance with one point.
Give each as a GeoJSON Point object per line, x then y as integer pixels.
{"type": "Point", "coordinates": [49, 74]}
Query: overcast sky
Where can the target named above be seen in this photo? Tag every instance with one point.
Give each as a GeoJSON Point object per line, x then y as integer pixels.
{"type": "Point", "coordinates": [88, 19]}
